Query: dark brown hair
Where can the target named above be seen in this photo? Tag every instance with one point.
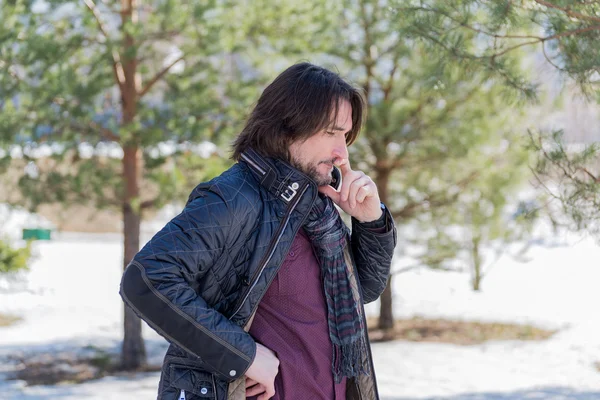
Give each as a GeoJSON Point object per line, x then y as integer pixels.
{"type": "Point", "coordinates": [301, 101]}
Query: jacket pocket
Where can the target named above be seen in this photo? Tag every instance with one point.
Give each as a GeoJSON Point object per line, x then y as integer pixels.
{"type": "Point", "coordinates": [195, 383]}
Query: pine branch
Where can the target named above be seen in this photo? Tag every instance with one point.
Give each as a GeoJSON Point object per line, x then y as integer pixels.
{"type": "Point", "coordinates": [367, 60]}
{"type": "Point", "coordinates": [158, 76]}
{"type": "Point", "coordinates": [470, 27]}
{"type": "Point", "coordinates": [569, 171]}
{"type": "Point", "coordinates": [387, 89]}
{"type": "Point", "coordinates": [492, 57]}
{"type": "Point", "coordinates": [451, 107]}
{"type": "Point", "coordinates": [401, 161]}
{"type": "Point", "coordinates": [153, 36]}
{"type": "Point", "coordinates": [557, 163]}
{"type": "Point", "coordinates": [414, 115]}
{"type": "Point", "coordinates": [106, 133]}
{"type": "Point", "coordinates": [549, 60]}
{"type": "Point", "coordinates": [108, 4]}
{"type": "Point", "coordinates": [91, 126]}
{"type": "Point", "coordinates": [570, 13]}
{"type": "Point", "coordinates": [12, 73]}
{"type": "Point", "coordinates": [434, 200]}
{"type": "Point", "coordinates": [117, 65]}
{"type": "Point", "coordinates": [544, 39]}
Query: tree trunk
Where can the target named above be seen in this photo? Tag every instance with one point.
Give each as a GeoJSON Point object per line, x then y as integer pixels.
{"type": "Point", "coordinates": [476, 259]}
{"type": "Point", "coordinates": [386, 314]}
{"type": "Point", "coordinates": [133, 353]}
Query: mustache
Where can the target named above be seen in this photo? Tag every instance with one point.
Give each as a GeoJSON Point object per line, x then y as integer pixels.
{"type": "Point", "coordinates": [330, 162]}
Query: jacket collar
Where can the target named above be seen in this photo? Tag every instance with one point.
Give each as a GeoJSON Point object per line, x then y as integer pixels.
{"type": "Point", "coordinates": [279, 177]}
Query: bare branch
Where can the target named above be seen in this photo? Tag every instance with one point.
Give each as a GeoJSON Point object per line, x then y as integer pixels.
{"type": "Point", "coordinates": [92, 126]}
{"type": "Point", "coordinates": [596, 179]}
{"type": "Point", "coordinates": [117, 65]}
{"type": "Point", "coordinates": [158, 76]}
{"type": "Point", "coordinates": [147, 204]}
{"type": "Point", "coordinates": [424, 265]}
{"type": "Point", "coordinates": [106, 133]}
{"type": "Point", "coordinates": [406, 269]}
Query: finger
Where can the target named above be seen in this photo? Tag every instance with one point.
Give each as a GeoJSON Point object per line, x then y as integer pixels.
{"type": "Point", "coordinates": [256, 389]}
{"type": "Point", "coordinates": [346, 184]}
{"type": "Point", "coordinates": [250, 382]}
{"type": "Point", "coordinates": [355, 187]}
{"type": "Point", "coordinates": [267, 394]}
{"type": "Point", "coordinates": [331, 193]}
{"type": "Point", "coordinates": [364, 192]}
{"type": "Point", "coordinates": [344, 165]}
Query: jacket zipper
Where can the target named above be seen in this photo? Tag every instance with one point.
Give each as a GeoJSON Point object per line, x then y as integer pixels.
{"type": "Point", "coordinates": [269, 254]}
{"type": "Point", "coordinates": [251, 162]}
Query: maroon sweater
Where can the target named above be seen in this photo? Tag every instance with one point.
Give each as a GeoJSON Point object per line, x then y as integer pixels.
{"type": "Point", "coordinates": [291, 320]}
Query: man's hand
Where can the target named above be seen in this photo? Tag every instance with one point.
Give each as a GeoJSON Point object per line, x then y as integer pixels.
{"type": "Point", "coordinates": [260, 377]}
{"type": "Point", "coordinates": [358, 195]}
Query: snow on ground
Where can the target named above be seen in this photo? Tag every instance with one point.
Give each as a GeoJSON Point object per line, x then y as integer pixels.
{"type": "Point", "coordinates": [71, 300]}
{"type": "Point", "coordinates": [13, 220]}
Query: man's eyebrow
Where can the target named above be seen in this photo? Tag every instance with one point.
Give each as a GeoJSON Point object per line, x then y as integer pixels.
{"type": "Point", "coordinates": [335, 128]}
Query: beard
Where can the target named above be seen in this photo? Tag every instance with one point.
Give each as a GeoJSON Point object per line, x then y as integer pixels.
{"type": "Point", "coordinates": [311, 169]}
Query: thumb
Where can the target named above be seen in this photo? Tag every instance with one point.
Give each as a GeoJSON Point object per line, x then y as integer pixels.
{"type": "Point", "coordinates": [331, 193]}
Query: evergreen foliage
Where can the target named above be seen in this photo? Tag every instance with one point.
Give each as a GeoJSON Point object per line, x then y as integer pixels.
{"type": "Point", "coordinates": [567, 34]}
{"type": "Point", "coordinates": [13, 259]}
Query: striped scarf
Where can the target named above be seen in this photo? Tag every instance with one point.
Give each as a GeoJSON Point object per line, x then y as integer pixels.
{"type": "Point", "coordinates": [329, 236]}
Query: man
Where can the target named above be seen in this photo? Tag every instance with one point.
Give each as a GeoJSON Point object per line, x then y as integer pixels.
{"type": "Point", "coordinates": [257, 284]}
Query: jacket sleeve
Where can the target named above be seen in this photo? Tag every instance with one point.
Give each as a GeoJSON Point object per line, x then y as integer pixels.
{"type": "Point", "coordinates": [373, 250]}
{"type": "Point", "coordinates": [154, 284]}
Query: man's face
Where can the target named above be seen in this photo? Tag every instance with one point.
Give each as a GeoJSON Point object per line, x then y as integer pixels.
{"type": "Point", "coordinates": [316, 155]}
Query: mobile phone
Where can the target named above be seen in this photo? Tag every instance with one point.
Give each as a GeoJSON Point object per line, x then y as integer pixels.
{"type": "Point", "coordinates": [336, 178]}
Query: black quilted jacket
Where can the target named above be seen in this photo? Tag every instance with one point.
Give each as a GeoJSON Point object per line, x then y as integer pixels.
{"type": "Point", "coordinates": [199, 280]}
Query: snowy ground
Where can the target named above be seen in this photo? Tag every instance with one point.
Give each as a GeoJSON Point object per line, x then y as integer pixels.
{"type": "Point", "coordinates": [71, 300]}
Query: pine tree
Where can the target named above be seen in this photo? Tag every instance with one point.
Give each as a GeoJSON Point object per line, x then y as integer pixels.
{"type": "Point", "coordinates": [567, 34]}
{"type": "Point", "coordinates": [427, 114]}
{"type": "Point", "coordinates": [427, 118]}
{"type": "Point", "coordinates": [145, 81]}
{"type": "Point", "coordinates": [490, 217]}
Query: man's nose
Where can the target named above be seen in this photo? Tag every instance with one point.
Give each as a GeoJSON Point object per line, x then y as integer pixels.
{"type": "Point", "coordinates": [341, 149]}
